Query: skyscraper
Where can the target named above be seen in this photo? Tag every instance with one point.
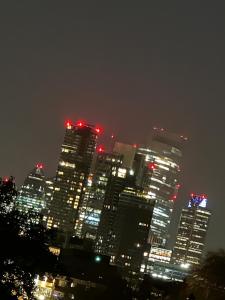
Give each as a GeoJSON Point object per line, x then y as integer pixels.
{"type": "Point", "coordinates": [161, 179]}
{"type": "Point", "coordinates": [118, 179]}
{"type": "Point", "coordinates": [131, 227]}
{"type": "Point", "coordinates": [31, 196]}
{"type": "Point", "coordinates": [192, 232]}
{"type": "Point", "coordinates": [72, 175]}
{"type": "Point", "coordinates": [90, 211]}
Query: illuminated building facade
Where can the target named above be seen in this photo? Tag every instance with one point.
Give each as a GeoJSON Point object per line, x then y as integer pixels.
{"type": "Point", "coordinates": [154, 256]}
{"type": "Point", "coordinates": [49, 191]}
{"type": "Point", "coordinates": [192, 232]}
{"type": "Point", "coordinates": [157, 263]}
{"type": "Point", "coordinates": [158, 254]}
{"type": "Point", "coordinates": [168, 271]}
{"type": "Point", "coordinates": [90, 211]}
{"type": "Point", "coordinates": [32, 195]}
{"type": "Point", "coordinates": [84, 274]}
{"type": "Point", "coordinates": [161, 179]}
{"type": "Point", "coordinates": [72, 175]}
{"type": "Point", "coordinates": [131, 227]}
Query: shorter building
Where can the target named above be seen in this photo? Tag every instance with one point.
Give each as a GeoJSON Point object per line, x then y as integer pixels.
{"type": "Point", "coordinates": [167, 271]}
{"type": "Point", "coordinates": [131, 228]}
{"type": "Point", "coordinates": [31, 196]}
{"type": "Point", "coordinates": [64, 287]}
{"type": "Point", "coordinates": [192, 231]}
{"type": "Point", "coordinates": [155, 254]}
{"type": "Point", "coordinates": [153, 259]}
{"type": "Point", "coordinates": [157, 264]}
{"type": "Point", "coordinates": [82, 274]}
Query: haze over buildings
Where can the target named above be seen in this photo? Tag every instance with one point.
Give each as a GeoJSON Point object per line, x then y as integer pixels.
{"type": "Point", "coordinates": [128, 66]}
{"type": "Point", "coordinates": [116, 198]}
{"type": "Point", "coordinates": [121, 201]}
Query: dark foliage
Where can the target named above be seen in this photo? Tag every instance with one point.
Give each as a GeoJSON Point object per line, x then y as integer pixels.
{"type": "Point", "coordinates": [208, 280]}
{"type": "Point", "coordinates": [117, 289]}
{"type": "Point", "coordinates": [24, 246]}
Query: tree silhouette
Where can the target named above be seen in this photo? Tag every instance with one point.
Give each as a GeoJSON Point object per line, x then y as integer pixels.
{"type": "Point", "coordinates": [145, 288]}
{"type": "Point", "coordinates": [24, 247]}
{"type": "Point", "coordinates": [209, 278]}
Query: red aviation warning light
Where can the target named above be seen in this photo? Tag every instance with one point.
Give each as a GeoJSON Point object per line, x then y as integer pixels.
{"type": "Point", "coordinates": [80, 123]}
{"type": "Point", "coordinates": [39, 166]}
{"type": "Point", "coordinates": [173, 197]}
{"type": "Point", "coordinates": [152, 166]}
{"type": "Point", "coordinates": [68, 124]}
{"type": "Point", "coordinates": [98, 129]}
{"type": "Point", "coordinates": [100, 149]}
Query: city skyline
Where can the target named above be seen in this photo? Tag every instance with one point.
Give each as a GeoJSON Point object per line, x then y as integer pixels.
{"type": "Point", "coordinates": [151, 66]}
{"type": "Point", "coordinates": [95, 194]}
{"type": "Point", "coordinates": [157, 135]}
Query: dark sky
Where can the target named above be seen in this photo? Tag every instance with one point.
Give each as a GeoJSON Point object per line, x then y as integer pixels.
{"type": "Point", "coordinates": [128, 66]}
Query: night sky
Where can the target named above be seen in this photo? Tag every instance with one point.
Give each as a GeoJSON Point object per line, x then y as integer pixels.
{"type": "Point", "coordinates": [127, 66]}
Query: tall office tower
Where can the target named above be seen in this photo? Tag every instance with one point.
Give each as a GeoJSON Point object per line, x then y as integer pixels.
{"type": "Point", "coordinates": [118, 179]}
{"type": "Point", "coordinates": [131, 227]}
{"type": "Point", "coordinates": [192, 232]}
{"type": "Point", "coordinates": [31, 196]}
{"type": "Point", "coordinates": [90, 211]}
{"type": "Point", "coordinates": [161, 178]}
{"type": "Point", "coordinates": [72, 175]}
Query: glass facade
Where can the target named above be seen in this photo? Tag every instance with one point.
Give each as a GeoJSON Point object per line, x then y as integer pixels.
{"type": "Point", "coordinates": [161, 179]}
{"type": "Point", "coordinates": [72, 176]}
{"type": "Point", "coordinates": [32, 194]}
{"type": "Point", "coordinates": [90, 212]}
{"type": "Point", "coordinates": [192, 232]}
